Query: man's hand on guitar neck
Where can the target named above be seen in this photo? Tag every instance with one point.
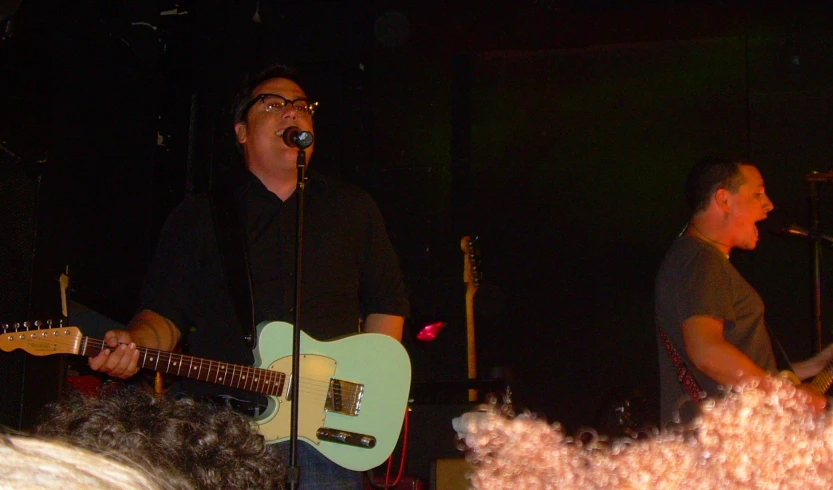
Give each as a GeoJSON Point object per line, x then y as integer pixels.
{"type": "Point", "coordinates": [121, 358]}
{"type": "Point", "coordinates": [808, 369]}
{"type": "Point", "coordinates": [811, 367]}
{"type": "Point", "coordinates": [817, 400]}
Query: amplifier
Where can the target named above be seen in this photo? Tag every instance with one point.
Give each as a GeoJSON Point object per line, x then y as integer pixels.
{"type": "Point", "coordinates": [450, 474]}
{"type": "Point", "coordinates": [406, 483]}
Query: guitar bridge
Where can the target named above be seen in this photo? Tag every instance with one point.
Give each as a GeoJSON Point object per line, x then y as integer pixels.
{"type": "Point", "coordinates": [344, 397]}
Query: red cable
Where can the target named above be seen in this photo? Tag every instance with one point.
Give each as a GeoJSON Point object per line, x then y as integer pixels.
{"type": "Point", "coordinates": [405, 431]}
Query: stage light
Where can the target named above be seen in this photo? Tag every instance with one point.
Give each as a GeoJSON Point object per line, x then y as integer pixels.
{"type": "Point", "coordinates": [430, 331]}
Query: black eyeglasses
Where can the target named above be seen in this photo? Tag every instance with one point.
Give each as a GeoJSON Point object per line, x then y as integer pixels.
{"type": "Point", "coordinates": [277, 104]}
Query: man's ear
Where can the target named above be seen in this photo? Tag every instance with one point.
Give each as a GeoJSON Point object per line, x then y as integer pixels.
{"type": "Point", "coordinates": [240, 132]}
{"type": "Point", "coordinates": [721, 198]}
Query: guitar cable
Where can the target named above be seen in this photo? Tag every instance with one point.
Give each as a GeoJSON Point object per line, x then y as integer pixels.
{"type": "Point", "coordinates": [388, 484]}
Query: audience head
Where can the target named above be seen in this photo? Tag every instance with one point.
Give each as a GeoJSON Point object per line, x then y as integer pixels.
{"type": "Point", "coordinates": [205, 445]}
{"type": "Point", "coordinates": [32, 463]}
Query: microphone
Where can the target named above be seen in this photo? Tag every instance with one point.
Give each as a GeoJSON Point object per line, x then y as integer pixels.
{"type": "Point", "coordinates": [793, 229]}
{"type": "Point", "coordinates": [293, 137]}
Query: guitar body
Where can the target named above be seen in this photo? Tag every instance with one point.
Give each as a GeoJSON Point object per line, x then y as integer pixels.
{"type": "Point", "coordinates": [377, 361]}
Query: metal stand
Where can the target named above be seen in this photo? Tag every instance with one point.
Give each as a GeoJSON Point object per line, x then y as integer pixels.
{"type": "Point", "coordinates": [294, 470]}
{"type": "Point", "coordinates": [813, 179]}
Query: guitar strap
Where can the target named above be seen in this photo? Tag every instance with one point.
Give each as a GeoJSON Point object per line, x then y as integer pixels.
{"type": "Point", "coordinates": [684, 376]}
{"type": "Point", "coordinates": [782, 361]}
{"type": "Point", "coordinates": [691, 385]}
{"type": "Point", "coordinates": [231, 240]}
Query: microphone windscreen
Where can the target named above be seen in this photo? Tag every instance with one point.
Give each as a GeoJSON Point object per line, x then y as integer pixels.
{"type": "Point", "coordinates": [289, 136]}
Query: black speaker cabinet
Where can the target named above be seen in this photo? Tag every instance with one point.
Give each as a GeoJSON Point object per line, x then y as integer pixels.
{"type": "Point", "coordinates": [431, 437]}
{"type": "Point", "coordinates": [26, 382]}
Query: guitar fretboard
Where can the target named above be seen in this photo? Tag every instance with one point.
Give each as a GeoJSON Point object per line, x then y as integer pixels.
{"type": "Point", "coordinates": [824, 379]}
{"type": "Point", "coordinates": [246, 378]}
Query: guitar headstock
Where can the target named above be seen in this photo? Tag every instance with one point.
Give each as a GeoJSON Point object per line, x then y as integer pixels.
{"type": "Point", "coordinates": [471, 261]}
{"type": "Point", "coordinates": [40, 338]}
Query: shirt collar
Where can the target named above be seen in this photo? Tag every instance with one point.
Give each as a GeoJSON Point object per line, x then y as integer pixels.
{"type": "Point", "coordinates": [248, 184]}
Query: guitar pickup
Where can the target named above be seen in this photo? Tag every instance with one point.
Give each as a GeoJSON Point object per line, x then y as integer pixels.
{"type": "Point", "coordinates": [345, 437]}
{"type": "Point", "coordinates": [344, 397]}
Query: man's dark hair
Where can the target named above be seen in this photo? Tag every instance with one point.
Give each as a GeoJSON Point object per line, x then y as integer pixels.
{"type": "Point", "coordinates": [251, 81]}
{"type": "Point", "coordinates": [710, 174]}
{"type": "Point", "coordinates": [205, 445]}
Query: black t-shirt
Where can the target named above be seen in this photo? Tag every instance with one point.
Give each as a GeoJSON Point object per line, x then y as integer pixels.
{"type": "Point", "coordinates": [349, 270]}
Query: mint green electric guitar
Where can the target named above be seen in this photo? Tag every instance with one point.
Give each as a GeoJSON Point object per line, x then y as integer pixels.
{"type": "Point", "coordinates": [353, 391]}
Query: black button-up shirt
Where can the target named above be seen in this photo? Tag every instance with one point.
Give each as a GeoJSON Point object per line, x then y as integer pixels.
{"type": "Point", "coordinates": [349, 270]}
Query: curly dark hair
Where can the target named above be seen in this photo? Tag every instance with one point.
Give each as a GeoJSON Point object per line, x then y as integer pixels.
{"type": "Point", "coordinates": [209, 446]}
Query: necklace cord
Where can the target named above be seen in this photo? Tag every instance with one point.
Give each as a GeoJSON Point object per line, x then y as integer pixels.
{"type": "Point", "coordinates": [708, 237]}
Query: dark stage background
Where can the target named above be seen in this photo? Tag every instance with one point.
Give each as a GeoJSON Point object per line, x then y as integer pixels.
{"type": "Point", "coordinates": [557, 132]}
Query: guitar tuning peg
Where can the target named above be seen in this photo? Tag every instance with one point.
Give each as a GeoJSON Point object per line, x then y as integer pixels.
{"type": "Point", "coordinates": [49, 323]}
{"type": "Point", "coordinates": [38, 323]}
{"type": "Point", "coordinates": [26, 325]}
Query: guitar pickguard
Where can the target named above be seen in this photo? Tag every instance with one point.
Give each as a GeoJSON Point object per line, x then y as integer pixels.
{"type": "Point", "coordinates": [316, 372]}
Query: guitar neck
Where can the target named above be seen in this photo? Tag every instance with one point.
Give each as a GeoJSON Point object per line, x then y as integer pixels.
{"type": "Point", "coordinates": [471, 350]}
{"type": "Point", "coordinates": [471, 276]}
{"type": "Point", "coordinates": [245, 378]}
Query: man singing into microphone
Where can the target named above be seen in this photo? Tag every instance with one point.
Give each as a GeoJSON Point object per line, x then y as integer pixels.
{"type": "Point", "coordinates": [351, 278]}
{"type": "Point", "coordinates": [710, 321]}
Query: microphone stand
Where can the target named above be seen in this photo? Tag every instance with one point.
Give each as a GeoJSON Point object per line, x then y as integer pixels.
{"type": "Point", "coordinates": [813, 180]}
{"type": "Point", "coordinates": [294, 468]}
{"type": "Point", "coordinates": [815, 222]}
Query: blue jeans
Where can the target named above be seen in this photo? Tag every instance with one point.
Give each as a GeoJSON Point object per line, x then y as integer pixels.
{"type": "Point", "coordinates": [318, 472]}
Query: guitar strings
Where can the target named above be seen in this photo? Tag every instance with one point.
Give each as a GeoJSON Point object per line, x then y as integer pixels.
{"type": "Point", "coordinates": [308, 385]}
{"type": "Point", "coordinates": [208, 368]}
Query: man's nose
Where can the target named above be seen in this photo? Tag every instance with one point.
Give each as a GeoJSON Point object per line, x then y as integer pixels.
{"type": "Point", "coordinates": [289, 111]}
